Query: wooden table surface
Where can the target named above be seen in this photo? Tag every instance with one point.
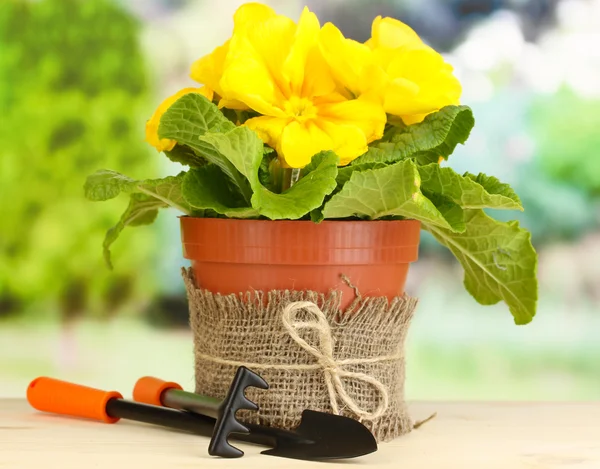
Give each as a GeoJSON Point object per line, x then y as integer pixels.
{"type": "Point", "coordinates": [462, 436]}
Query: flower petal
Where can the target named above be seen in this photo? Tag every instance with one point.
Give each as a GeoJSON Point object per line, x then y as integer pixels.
{"type": "Point", "coordinates": [420, 83]}
{"type": "Point", "coordinates": [232, 104]}
{"type": "Point", "coordinates": [415, 64]}
{"type": "Point", "coordinates": [258, 50]}
{"type": "Point", "coordinates": [251, 13]}
{"type": "Point", "coordinates": [391, 33]}
{"type": "Point", "coordinates": [318, 80]}
{"type": "Point", "coordinates": [270, 35]}
{"type": "Point", "coordinates": [209, 69]}
{"type": "Point", "coordinates": [348, 141]}
{"type": "Point", "coordinates": [247, 78]}
{"type": "Point", "coordinates": [414, 119]}
{"type": "Point", "coordinates": [205, 91]}
{"type": "Point", "coordinates": [305, 40]}
{"type": "Point", "coordinates": [346, 58]}
{"type": "Point", "coordinates": [361, 113]}
{"type": "Point", "coordinates": [300, 141]}
{"type": "Point", "coordinates": [269, 129]}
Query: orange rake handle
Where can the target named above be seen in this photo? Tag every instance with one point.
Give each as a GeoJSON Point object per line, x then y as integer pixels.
{"type": "Point", "coordinates": [149, 390]}
{"type": "Point", "coordinates": [155, 391]}
{"type": "Point", "coordinates": [61, 397]}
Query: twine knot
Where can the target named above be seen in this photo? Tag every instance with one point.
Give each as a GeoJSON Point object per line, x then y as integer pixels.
{"type": "Point", "coordinates": [333, 369]}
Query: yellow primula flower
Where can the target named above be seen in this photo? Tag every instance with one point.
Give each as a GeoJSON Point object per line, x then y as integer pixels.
{"type": "Point", "coordinates": [420, 81]}
{"type": "Point", "coordinates": [352, 64]}
{"type": "Point", "coordinates": [274, 67]}
{"type": "Point", "coordinates": [409, 78]}
{"type": "Point", "coordinates": [208, 70]}
{"type": "Point", "coordinates": [165, 144]}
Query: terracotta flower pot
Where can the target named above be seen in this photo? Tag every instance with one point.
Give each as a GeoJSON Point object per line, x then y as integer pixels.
{"type": "Point", "coordinates": [233, 256]}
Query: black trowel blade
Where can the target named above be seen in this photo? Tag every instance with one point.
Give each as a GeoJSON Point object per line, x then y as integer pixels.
{"type": "Point", "coordinates": [325, 436]}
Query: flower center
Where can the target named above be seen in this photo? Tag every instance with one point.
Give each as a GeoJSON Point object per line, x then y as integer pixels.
{"type": "Point", "coordinates": [301, 109]}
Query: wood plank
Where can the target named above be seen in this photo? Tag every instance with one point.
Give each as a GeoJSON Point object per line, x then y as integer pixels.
{"type": "Point", "coordinates": [475, 435]}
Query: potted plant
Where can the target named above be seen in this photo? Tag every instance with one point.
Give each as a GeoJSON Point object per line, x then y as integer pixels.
{"type": "Point", "coordinates": [313, 162]}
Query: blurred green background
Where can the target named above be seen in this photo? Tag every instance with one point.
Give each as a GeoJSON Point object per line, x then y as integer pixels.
{"type": "Point", "coordinates": [79, 78]}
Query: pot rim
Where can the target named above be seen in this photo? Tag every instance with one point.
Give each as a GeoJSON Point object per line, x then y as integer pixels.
{"type": "Point", "coordinates": [306, 222]}
{"type": "Point", "coordinates": [292, 242]}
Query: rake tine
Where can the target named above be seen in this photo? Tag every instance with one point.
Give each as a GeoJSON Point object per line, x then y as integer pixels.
{"type": "Point", "coordinates": [235, 400]}
{"type": "Point", "coordinates": [158, 392]}
{"type": "Point", "coordinates": [247, 404]}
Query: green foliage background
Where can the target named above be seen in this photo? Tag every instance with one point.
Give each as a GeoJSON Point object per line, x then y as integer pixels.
{"type": "Point", "coordinates": [567, 127]}
{"type": "Point", "coordinates": [73, 97]}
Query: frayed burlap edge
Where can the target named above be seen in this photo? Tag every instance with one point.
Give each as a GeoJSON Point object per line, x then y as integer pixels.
{"type": "Point", "coordinates": [247, 328]}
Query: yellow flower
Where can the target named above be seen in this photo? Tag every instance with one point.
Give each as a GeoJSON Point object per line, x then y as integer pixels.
{"type": "Point", "coordinates": [208, 70]}
{"type": "Point", "coordinates": [410, 78]}
{"type": "Point", "coordinates": [165, 144]}
{"type": "Point", "coordinates": [352, 64]}
{"type": "Point", "coordinates": [420, 81]}
{"type": "Point", "coordinates": [274, 67]}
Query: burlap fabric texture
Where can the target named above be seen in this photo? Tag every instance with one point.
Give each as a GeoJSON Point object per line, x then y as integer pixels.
{"type": "Point", "coordinates": [312, 356]}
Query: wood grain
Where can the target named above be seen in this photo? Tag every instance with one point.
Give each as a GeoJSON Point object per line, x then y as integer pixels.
{"type": "Point", "coordinates": [462, 436]}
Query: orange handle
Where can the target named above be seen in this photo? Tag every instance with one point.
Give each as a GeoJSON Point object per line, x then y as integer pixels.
{"type": "Point", "coordinates": [61, 397]}
{"type": "Point", "coordinates": [148, 390]}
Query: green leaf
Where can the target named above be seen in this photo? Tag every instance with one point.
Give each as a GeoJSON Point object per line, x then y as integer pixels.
{"type": "Point", "coordinates": [238, 117]}
{"type": "Point", "coordinates": [185, 155]}
{"type": "Point", "coordinates": [243, 149]}
{"type": "Point", "coordinates": [345, 173]}
{"type": "Point", "coordinates": [499, 260]}
{"type": "Point", "coordinates": [238, 151]}
{"type": "Point", "coordinates": [207, 188]}
{"type": "Point", "coordinates": [378, 153]}
{"type": "Point", "coordinates": [468, 191]}
{"type": "Point", "coordinates": [105, 184]}
{"type": "Point", "coordinates": [230, 114]}
{"type": "Point", "coordinates": [390, 191]}
{"type": "Point", "coordinates": [167, 189]}
{"type": "Point", "coordinates": [142, 210]}
{"type": "Point", "coordinates": [147, 218]}
{"type": "Point", "coordinates": [316, 215]}
{"type": "Point", "coordinates": [146, 198]}
{"type": "Point", "coordinates": [315, 161]}
{"type": "Point", "coordinates": [436, 136]}
{"type": "Point", "coordinates": [192, 118]}
{"type": "Point", "coordinates": [304, 196]}
{"type": "Point", "coordinates": [269, 169]}
{"type": "Point", "coordinates": [451, 211]}
{"type": "Point", "coordinates": [493, 186]}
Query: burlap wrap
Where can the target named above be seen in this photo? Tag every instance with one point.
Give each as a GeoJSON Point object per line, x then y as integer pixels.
{"type": "Point", "coordinates": [247, 329]}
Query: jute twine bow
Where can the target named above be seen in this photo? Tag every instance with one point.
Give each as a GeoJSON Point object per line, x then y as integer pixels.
{"type": "Point", "coordinates": [332, 368]}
